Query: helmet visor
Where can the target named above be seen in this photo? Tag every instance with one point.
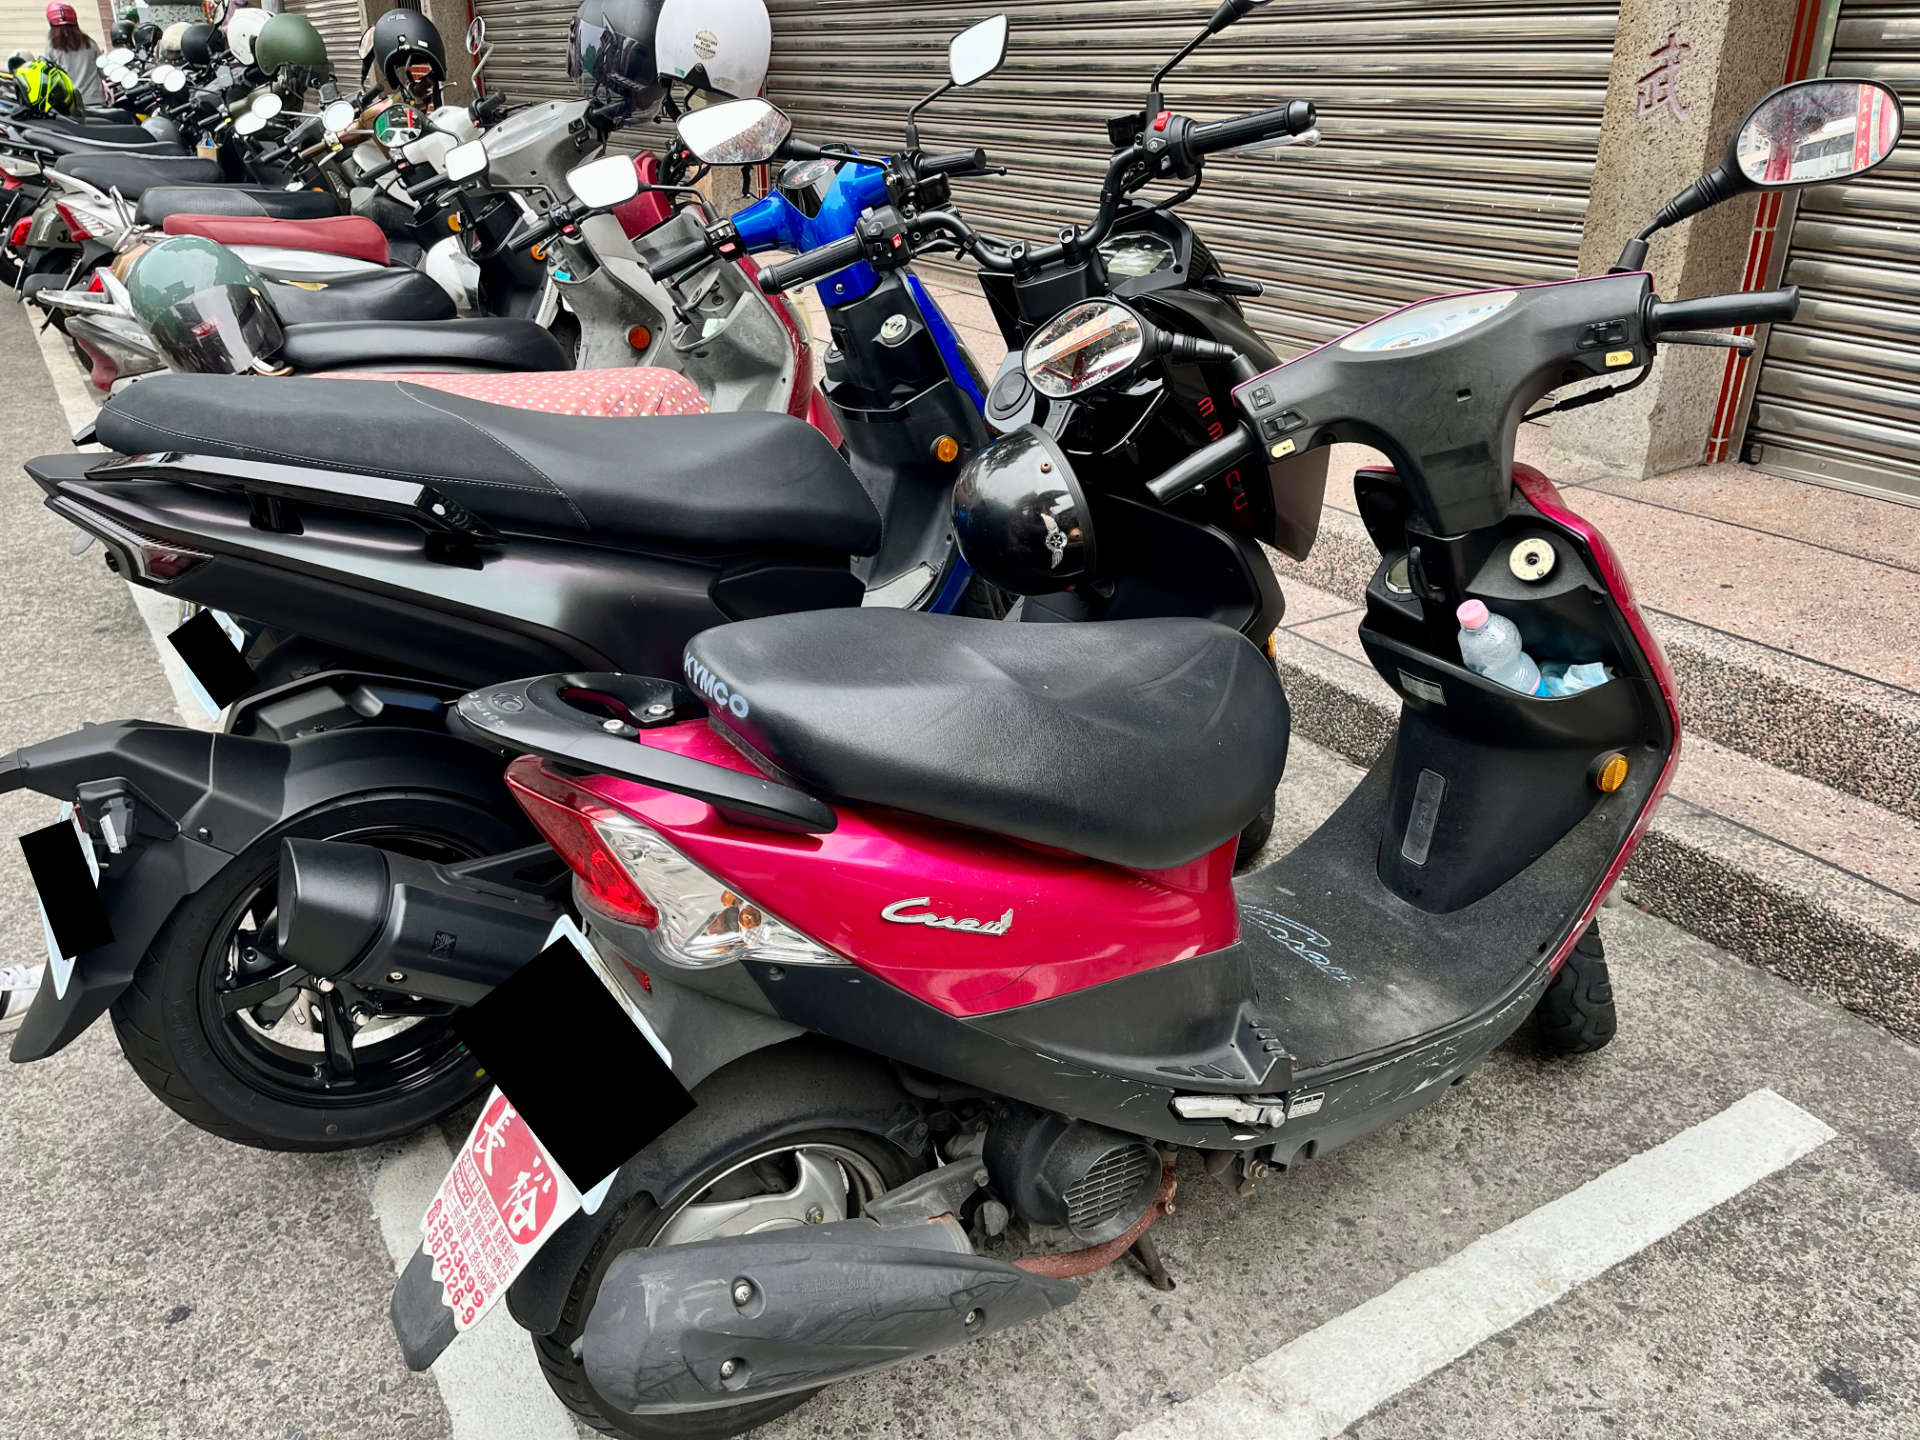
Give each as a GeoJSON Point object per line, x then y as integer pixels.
{"type": "Point", "coordinates": [599, 56]}
{"type": "Point", "coordinates": [222, 330]}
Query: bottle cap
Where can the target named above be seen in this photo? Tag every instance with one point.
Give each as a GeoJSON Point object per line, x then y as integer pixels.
{"type": "Point", "coordinates": [1472, 614]}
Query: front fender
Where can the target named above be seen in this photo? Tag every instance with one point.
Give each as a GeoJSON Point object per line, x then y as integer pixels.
{"type": "Point", "coordinates": [197, 800]}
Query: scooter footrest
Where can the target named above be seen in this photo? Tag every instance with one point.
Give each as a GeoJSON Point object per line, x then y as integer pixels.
{"type": "Point", "coordinates": [1254, 1058]}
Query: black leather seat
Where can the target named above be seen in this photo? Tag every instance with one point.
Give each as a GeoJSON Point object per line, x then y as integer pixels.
{"type": "Point", "coordinates": [486, 342]}
{"type": "Point", "coordinates": [133, 175]}
{"type": "Point", "coordinates": [71, 140]}
{"type": "Point", "coordinates": [753, 481]}
{"type": "Point", "coordinates": [392, 294]}
{"type": "Point", "coordinates": [1141, 742]}
{"type": "Point", "coordinates": [255, 201]}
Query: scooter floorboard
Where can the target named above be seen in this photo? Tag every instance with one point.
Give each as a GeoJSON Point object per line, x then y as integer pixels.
{"type": "Point", "coordinates": [1343, 968]}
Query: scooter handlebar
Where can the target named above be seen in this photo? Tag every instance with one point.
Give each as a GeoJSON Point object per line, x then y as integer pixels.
{"type": "Point", "coordinates": [684, 258]}
{"type": "Point", "coordinates": [814, 265]}
{"type": "Point", "coordinates": [955, 162]}
{"type": "Point", "coordinates": [1722, 312]}
{"type": "Point", "coordinates": [1292, 118]}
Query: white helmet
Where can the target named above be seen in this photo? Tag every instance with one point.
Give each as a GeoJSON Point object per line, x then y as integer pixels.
{"type": "Point", "coordinates": [243, 29]}
{"type": "Point", "coordinates": [728, 41]}
{"type": "Point", "coordinates": [170, 40]}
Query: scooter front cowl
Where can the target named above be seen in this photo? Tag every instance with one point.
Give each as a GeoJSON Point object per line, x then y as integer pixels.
{"type": "Point", "coordinates": [748, 1317]}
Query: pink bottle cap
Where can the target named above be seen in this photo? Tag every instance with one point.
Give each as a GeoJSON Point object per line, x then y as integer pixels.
{"type": "Point", "coordinates": [1472, 614]}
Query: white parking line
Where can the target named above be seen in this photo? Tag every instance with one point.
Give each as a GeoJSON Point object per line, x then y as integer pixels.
{"type": "Point", "coordinates": [489, 1379]}
{"type": "Point", "coordinates": [1322, 1382]}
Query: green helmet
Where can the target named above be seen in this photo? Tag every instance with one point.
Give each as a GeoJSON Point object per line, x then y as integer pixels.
{"type": "Point", "coordinates": [291, 40]}
{"type": "Point", "coordinates": [205, 308]}
{"type": "Point", "coordinates": [46, 88]}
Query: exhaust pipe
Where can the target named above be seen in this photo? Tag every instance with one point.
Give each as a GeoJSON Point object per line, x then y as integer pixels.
{"type": "Point", "coordinates": [747, 1317]}
{"type": "Point", "coordinates": [368, 917]}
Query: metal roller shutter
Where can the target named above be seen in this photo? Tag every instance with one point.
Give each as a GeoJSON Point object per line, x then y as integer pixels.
{"type": "Point", "coordinates": [1459, 135]}
{"type": "Point", "coordinates": [1839, 396]}
{"type": "Point", "coordinates": [341, 23]}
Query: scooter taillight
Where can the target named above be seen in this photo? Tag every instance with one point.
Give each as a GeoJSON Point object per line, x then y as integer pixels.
{"type": "Point", "coordinates": [1545, 498]}
{"type": "Point", "coordinates": [20, 229]}
{"type": "Point", "coordinates": [696, 920]}
{"type": "Point", "coordinates": [76, 226]}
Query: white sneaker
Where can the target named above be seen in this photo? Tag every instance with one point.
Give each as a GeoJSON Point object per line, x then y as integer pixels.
{"type": "Point", "coordinates": [18, 985]}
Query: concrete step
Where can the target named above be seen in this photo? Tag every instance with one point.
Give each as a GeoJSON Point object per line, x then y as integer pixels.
{"type": "Point", "coordinates": [1844, 730]}
{"type": "Point", "coordinates": [1809, 881]}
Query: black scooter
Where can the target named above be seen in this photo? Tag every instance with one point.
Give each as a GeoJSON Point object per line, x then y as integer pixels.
{"type": "Point", "coordinates": [895, 996]}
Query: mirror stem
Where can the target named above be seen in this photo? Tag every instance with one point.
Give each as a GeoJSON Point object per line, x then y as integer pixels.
{"type": "Point", "coordinates": [1185, 50]}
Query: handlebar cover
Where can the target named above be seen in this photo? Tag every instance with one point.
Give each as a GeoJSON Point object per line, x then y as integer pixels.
{"type": "Point", "coordinates": [814, 265]}
{"type": "Point", "coordinates": [1289, 119]}
{"type": "Point", "coordinates": [955, 162]}
{"type": "Point", "coordinates": [674, 261]}
{"type": "Point", "coordinates": [1722, 312]}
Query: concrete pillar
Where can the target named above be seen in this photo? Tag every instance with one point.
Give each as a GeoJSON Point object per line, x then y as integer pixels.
{"type": "Point", "coordinates": [1685, 73]}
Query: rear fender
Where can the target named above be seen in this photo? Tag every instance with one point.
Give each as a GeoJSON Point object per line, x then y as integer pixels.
{"type": "Point", "coordinates": [187, 803]}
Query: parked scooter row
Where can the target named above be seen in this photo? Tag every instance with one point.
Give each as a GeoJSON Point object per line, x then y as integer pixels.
{"type": "Point", "coordinates": [913, 941]}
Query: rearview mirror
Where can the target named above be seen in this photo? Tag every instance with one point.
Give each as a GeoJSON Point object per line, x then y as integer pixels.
{"type": "Point", "coordinates": [978, 51]}
{"type": "Point", "coordinates": [476, 34]}
{"type": "Point", "coordinates": [266, 105]}
{"type": "Point", "coordinates": [740, 132]}
{"type": "Point", "coordinates": [1083, 346]}
{"type": "Point", "coordinates": [118, 56]}
{"type": "Point", "coordinates": [251, 123]}
{"type": "Point", "coordinates": [604, 183]}
{"type": "Point", "coordinates": [174, 83]}
{"type": "Point", "coordinates": [466, 161]}
{"type": "Point", "coordinates": [337, 116]}
{"type": "Point", "coordinates": [1815, 131]}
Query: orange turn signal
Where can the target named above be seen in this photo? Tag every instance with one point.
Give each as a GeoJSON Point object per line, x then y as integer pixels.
{"type": "Point", "coordinates": [946, 449]}
{"type": "Point", "coordinates": [453, 223]}
{"type": "Point", "coordinates": [1611, 773]}
{"type": "Point", "coordinates": [640, 337]}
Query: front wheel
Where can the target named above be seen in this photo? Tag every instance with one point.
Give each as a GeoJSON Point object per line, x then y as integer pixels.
{"type": "Point", "coordinates": [1576, 1016]}
{"type": "Point", "coordinates": [768, 1148]}
{"type": "Point", "coordinates": [252, 1050]}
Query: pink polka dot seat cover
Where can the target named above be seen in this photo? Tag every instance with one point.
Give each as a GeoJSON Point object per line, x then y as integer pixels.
{"type": "Point", "coordinates": [603, 394]}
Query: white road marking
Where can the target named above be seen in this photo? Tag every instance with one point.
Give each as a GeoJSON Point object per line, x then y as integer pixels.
{"type": "Point", "coordinates": [1321, 1383]}
{"type": "Point", "coordinates": [489, 1380]}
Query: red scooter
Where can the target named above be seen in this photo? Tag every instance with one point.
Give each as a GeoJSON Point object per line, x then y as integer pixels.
{"type": "Point", "coordinates": [889, 999]}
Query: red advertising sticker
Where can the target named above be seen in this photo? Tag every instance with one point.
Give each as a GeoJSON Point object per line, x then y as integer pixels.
{"type": "Point", "coordinates": [497, 1205]}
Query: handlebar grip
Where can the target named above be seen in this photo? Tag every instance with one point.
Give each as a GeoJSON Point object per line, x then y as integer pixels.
{"type": "Point", "coordinates": [814, 265]}
{"type": "Point", "coordinates": [1289, 119]}
{"type": "Point", "coordinates": [674, 261]}
{"type": "Point", "coordinates": [1723, 312]}
{"type": "Point", "coordinates": [422, 190]}
{"type": "Point", "coordinates": [955, 162]}
{"type": "Point", "coordinates": [1203, 464]}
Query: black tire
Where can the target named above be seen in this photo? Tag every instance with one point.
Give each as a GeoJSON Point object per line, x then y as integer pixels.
{"type": "Point", "coordinates": [214, 1074]}
{"type": "Point", "coordinates": [788, 1111]}
{"type": "Point", "coordinates": [1575, 1016]}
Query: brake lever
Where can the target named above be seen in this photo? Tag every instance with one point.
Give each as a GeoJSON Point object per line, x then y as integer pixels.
{"type": "Point", "coordinates": [1713, 339]}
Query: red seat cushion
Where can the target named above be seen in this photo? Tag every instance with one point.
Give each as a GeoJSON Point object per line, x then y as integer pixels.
{"type": "Point", "coordinates": [603, 394]}
{"type": "Point", "coordinates": [354, 236]}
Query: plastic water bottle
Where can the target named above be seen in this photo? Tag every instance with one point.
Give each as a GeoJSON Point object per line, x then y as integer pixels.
{"type": "Point", "coordinates": [1490, 646]}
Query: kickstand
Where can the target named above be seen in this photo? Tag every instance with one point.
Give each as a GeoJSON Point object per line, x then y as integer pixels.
{"type": "Point", "coordinates": [1148, 1254]}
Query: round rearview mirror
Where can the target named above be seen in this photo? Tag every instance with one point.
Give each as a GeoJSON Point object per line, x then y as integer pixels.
{"type": "Point", "coordinates": [1817, 130]}
{"type": "Point", "coordinates": [251, 123]}
{"type": "Point", "coordinates": [604, 183]}
{"type": "Point", "coordinates": [266, 105]}
{"type": "Point", "coordinates": [174, 83]}
{"type": "Point", "coordinates": [119, 55]}
{"type": "Point", "coordinates": [476, 34]}
{"type": "Point", "coordinates": [466, 161]}
{"type": "Point", "coordinates": [977, 52]}
{"type": "Point", "coordinates": [740, 132]}
{"type": "Point", "coordinates": [1083, 346]}
{"type": "Point", "coordinates": [337, 116]}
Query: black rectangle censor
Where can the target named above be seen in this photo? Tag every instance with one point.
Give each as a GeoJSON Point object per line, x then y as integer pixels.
{"type": "Point", "coordinates": [222, 671]}
{"type": "Point", "coordinates": [60, 874]}
{"type": "Point", "coordinates": [572, 1061]}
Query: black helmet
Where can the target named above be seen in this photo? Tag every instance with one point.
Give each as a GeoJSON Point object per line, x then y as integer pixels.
{"type": "Point", "coordinates": [202, 44]}
{"type": "Point", "coordinates": [407, 50]}
{"type": "Point", "coordinates": [146, 37]}
{"type": "Point", "coordinates": [122, 33]}
{"type": "Point", "coordinates": [1020, 515]}
{"type": "Point", "coordinates": [610, 52]}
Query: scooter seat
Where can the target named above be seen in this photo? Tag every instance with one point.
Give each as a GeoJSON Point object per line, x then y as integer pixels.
{"type": "Point", "coordinates": [109, 140]}
{"type": "Point", "coordinates": [347, 235]}
{"type": "Point", "coordinates": [259, 201]}
{"type": "Point", "coordinates": [486, 342]}
{"type": "Point", "coordinates": [745, 481]}
{"type": "Point", "coordinates": [377, 295]}
{"type": "Point", "coordinates": [1145, 743]}
{"type": "Point", "coordinates": [131, 175]}
{"type": "Point", "coordinates": [603, 394]}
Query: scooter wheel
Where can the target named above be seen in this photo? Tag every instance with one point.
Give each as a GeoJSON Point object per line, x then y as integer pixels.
{"type": "Point", "coordinates": [756, 1120]}
{"type": "Point", "coordinates": [1575, 1016]}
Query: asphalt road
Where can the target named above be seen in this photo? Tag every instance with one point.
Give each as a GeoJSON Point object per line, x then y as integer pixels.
{"type": "Point", "coordinates": [155, 1282]}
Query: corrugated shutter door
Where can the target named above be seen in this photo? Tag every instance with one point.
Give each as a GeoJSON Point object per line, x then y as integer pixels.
{"type": "Point", "coordinates": [341, 26]}
{"type": "Point", "coordinates": [1839, 397]}
{"type": "Point", "coordinates": [1459, 134]}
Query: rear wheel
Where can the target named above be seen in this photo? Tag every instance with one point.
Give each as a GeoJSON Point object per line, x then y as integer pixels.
{"type": "Point", "coordinates": [806, 1168]}
{"type": "Point", "coordinates": [1575, 1016]}
{"type": "Point", "coordinates": [250, 1048]}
